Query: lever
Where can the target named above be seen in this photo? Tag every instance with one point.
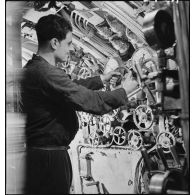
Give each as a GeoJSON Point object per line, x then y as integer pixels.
{"type": "Point", "coordinates": [146, 159]}
{"type": "Point", "coordinates": [162, 156]}
{"type": "Point", "coordinates": [175, 156]}
{"type": "Point", "coordinates": [88, 176]}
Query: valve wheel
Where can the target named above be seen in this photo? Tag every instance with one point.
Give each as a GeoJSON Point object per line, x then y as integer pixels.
{"type": "Point", "coordinates": [142, 54]}
{"type": "Point", "coordinates": [166, 139]}
{"type": "Point", "coordinates": [84, 73]}
{"type": "Point", "coordinates": [119, 135]}
{"type": "Point", "coordinates": [143, 117]}
{"type": "Point", "coordinates": [135, 140]}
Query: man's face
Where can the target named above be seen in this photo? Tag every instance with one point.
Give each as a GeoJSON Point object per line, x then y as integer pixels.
{"type": "Point", "coordinates": [62, 51]}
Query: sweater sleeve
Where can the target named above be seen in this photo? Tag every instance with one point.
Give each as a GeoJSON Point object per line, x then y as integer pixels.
{"type": "Point", "coordinates": [58, 85]}
{"type": "Point", "coordinates": [93, 83]}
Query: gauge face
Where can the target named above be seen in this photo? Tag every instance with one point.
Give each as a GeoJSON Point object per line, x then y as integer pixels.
{"type": "Point", "coordinates": [144, 60]}
{"type": "Point", "coordinates": [142, 54]}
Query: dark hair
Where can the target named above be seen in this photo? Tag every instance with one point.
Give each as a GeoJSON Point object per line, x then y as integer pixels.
{"type": "Point", "coordinates": [52, 26]}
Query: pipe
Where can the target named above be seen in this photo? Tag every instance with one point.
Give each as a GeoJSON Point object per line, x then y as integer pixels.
{"type": "Point", "coordinates": [183, 63]}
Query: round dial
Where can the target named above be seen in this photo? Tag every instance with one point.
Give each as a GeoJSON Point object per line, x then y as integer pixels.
{"type": "Point", "coordinates": [144, 61]}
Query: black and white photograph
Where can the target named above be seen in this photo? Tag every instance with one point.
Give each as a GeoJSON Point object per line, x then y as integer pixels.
{"type": "Point", "coordinates": [97, 97]}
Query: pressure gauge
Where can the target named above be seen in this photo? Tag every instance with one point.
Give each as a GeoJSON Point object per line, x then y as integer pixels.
{"type": "Point", "coordinates": [144, 61]}
{"type": "Point", "coordinates": [142, 54]}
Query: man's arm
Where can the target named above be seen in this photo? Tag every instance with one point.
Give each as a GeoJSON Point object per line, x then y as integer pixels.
{"type": "Point", "coordinates": [98, 82]}
{"type": "Point", "coordinates": [61, 88]}
{"type": "Point", "coordinates": [94, 83]}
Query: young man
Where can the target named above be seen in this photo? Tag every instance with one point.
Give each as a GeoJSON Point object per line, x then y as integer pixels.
{"type": "Point", "coordinates": [50, 100]}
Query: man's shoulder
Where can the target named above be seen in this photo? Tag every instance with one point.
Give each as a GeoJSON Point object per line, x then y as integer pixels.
{"type": "Point", "coordinates": [36, 65]}
{"type": "Point", "coordinates": [41, 68]}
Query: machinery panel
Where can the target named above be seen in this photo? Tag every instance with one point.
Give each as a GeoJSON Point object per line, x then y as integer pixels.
{"type": "Point", "coordinates": [143, 146]}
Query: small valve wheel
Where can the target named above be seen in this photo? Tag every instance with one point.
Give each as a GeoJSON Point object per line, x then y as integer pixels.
{"type": "Point", "coordinates": [166, 140]}
{"type": "Point", "coordinates": [143, 117]}
{"type": "Point", "coordinates": [135, 140]}
{"type": "Point", "coordinates": [84, 73]}
{"type": "Point", "coordinates": [119, 135]}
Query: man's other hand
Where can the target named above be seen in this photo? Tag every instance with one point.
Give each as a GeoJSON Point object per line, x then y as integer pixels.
{"type": "Point", "coordinates": [111, 76]}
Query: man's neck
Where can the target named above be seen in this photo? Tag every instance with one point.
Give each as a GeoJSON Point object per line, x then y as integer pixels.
{"type": "Point", "coordinates": [48, 56]}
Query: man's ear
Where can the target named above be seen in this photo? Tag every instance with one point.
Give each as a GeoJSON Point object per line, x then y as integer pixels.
{"type": "Point", "coordinates": [54, 43]}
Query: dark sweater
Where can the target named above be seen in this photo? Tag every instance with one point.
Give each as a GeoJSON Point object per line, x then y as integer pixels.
{"type": "Point", "coordinates": [50, 100]}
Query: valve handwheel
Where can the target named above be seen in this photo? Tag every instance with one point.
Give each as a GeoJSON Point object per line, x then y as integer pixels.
{"type": "Point", "coordinates": [135, 140]}
{"type": "Point", "coordinates": [143, 117]}
{"type": "Point", "coordinates": [119, 135]}
{"type": "Point", "coordinates": [84, 73]}
{"type": "Point", "coordinates": [166, 140]}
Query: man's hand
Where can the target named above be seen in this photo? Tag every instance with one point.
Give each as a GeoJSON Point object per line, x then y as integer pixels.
{"type": "Point", "coordinates": [111, 76]}
{"type": "Point", "coordinates": [129, 84]}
